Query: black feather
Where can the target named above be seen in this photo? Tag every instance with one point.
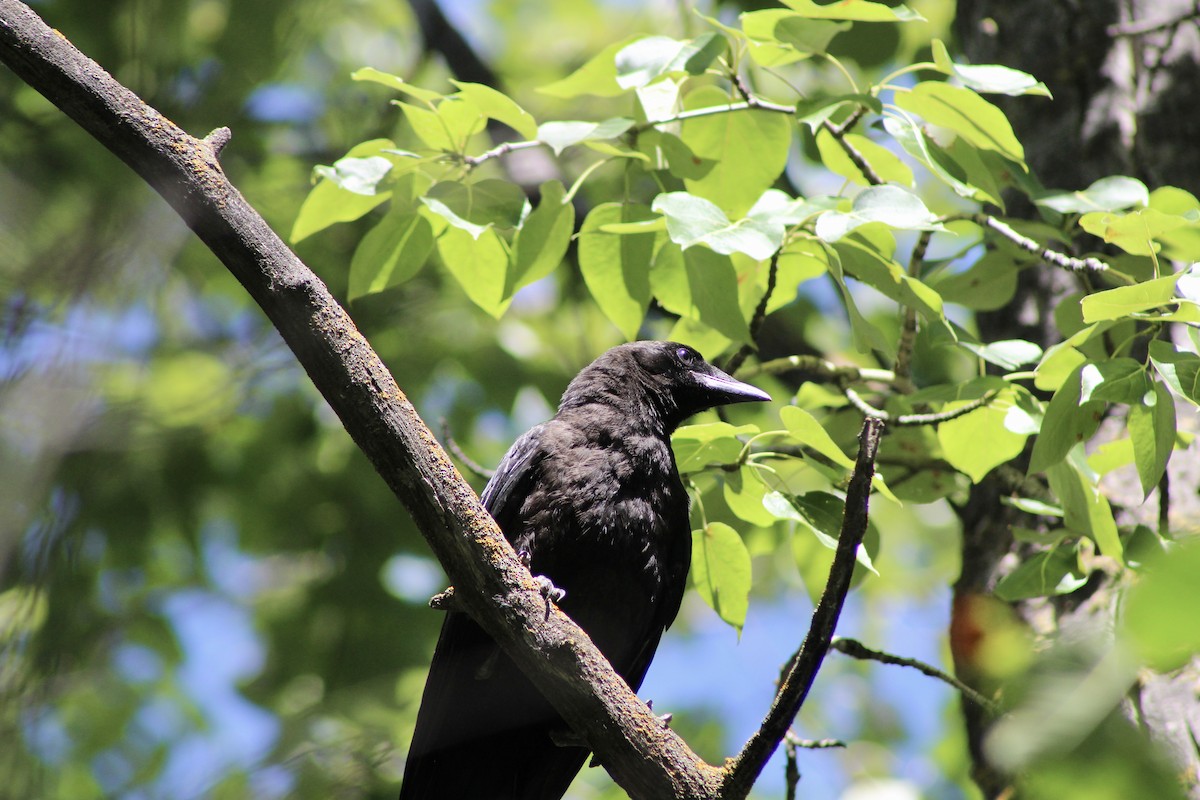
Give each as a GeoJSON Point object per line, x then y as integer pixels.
{"type": "Point", "coordinates": [594, 497]}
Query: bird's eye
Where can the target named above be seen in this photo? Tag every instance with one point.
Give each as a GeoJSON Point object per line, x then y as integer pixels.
{"type": "Point", "coordinates": [685, 355]}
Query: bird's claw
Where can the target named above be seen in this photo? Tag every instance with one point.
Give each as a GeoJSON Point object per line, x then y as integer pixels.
{"type": "Point", "coordinates": [548, 589]}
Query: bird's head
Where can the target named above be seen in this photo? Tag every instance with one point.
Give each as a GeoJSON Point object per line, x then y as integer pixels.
{"type": "Point", "coordinates": [670, 381]}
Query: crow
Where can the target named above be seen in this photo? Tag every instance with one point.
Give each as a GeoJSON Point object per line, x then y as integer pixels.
{"type": "Point", "coordinates": [593, 501]}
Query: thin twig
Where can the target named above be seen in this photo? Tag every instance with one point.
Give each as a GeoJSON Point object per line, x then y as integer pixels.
{"type": "Point", "coordinates": [908, 331]}
{"type": "Point", "coordinates": [911, 420]}
{"type": "Point", "coordinates": [1091, 265]}
{"type": "Point", "coordinates": [856, 649]}
{"type": "Point", "coordinates": [802, 671]}
{"type": "Point", "coordinates": [453, 449]}
{"type": "Point", "coordinates": [816, 368]}
{"type": "Point", "coordinates": [756, 322]}
{"type": "Point", "coordinates": [501, 150]}
{"type": "Point", "coordinates": [1142, 27]}
{"type": "Point", "coordinates": [869, 173]}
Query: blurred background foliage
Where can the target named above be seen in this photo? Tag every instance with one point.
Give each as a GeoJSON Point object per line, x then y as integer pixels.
{"type": "Point", "coordinates": [205, 591]}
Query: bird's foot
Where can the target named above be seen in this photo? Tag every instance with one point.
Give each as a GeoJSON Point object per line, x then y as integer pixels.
{"type": "Point", "coordinates": [546, 586]}
{"type": "Point", "coordinates": [567, 737]}
{"type": "Point", "coordinates": [548, 589]}
{"type": "Point", "coordinates": [444, 600]}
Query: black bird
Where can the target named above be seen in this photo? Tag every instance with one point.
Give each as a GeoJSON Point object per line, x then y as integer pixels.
{"type": "Point", "coordinates": [594, 500]}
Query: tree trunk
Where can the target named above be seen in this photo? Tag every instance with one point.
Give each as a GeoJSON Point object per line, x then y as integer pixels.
{"type": "Point", "coordinates": [1124, 77]}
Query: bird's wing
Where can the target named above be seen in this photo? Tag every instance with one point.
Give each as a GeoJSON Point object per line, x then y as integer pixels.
{"type": "Point", "coordinates": [510, 485]}
{"type": "Point", "coordinates": [481, 729]}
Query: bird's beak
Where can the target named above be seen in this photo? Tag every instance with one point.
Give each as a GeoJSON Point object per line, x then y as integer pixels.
{"type": "Point", "coordinates": [725, 389]}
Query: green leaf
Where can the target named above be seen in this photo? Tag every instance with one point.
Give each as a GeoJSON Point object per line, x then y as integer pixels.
{"type": "Point", "coordinates": [815, 111]}
{"type": "Point", "coordinates": [498, 106]}
{"type": "Point", "coordinates": [721, 571]}
{"type": "Point", "coordinates": [1179, 369]}
{"type": "Point", "coordinates": [713, 293]}
{"type": "Point", "coordinates": [561, 135]}
{"type": "Point", "coordinates": [749, 150]}
{"type": "Point", "coordinates": [988, 78]}
{"type": "Point", "coordinates": [1159, 614]}
{"type": "Point", "coordinates": [598, 77]}
{"type": "Point", "coordinates": [395, 82]}
{"type": "Point", "coordinates": [1008, 353]}
{"type": "Point", "coordinates": [697, 446]}
{"type": "Point", "coordinates": [479, 264]}
{"type": "Point", "coordinates": [391, 253]}
{"type": "Point", "coordinates": [744, 491]}
{"type": "Point", "coordinates": [474, 207]}
{"type": "Point", "coordinates": [447, 128]}
{"type": "Point", "coordinates": [821, 513]}
{"type": "Point", "coordinates": [893, 206]}
{"type": "Point", "coordinates": [542, 242]}
{"type": "Point", "coordinates": [616, 267]}
{"type": "Point", "coordinates": [939, 161]}
{"type": "Point", "coordinates": [1119, 380]}
{"type": "Point", "coordinates": [1067, 422]}
{"type": "Point", "coordinates": [1043, 575]}
{"type": "Point", "coordinates": [777, 36]}
{"type": "Point", "coordinates": [866, 263]}
{"type": "Point", "coordinates": [329, 203]}
{"type": "Point", "coordinates": [1113, 193]}
{"type": "Point", "coordinates": [856, 10]}
{"type": "Point", "coordinates": [646, 60]}
{"type": "Point", "coordinates": [1152, 429]}
{"type": "Point", "coordinates": [805, 429]}
{"type": "Point", "coordinates": [1126, 300]}
{"type": "Point", "coordinates": [357, 175]}
{"type": "Point", "coordinates": [987, 285]}
{"type": "Point", "coordinates": [884, 162]}
{"type": "Point", "coordinates": [700, 286]}
{"type": "Point", "coordinates": [1085, 508]}
{"type": "Point", "coordinates": [693, 220]}
{"type": "Point", "coordinates": [1136, 232]}
{"type": "Point", "coordinates": [966, 113]}
{"type": "Point", "coordinates": [979, 441]}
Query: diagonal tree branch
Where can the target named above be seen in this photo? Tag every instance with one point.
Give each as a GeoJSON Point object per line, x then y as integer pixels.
{"type": "Point", "coordinates": [802, 671]}
{"type": "Point", "coordinates": [644, 757]}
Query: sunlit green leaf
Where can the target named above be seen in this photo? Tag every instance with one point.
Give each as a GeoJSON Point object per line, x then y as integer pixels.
{"type": "Point", "coordinates": [329, 203]}
{"type": "Point", "coordinates": [1085, 508]}
{"type": "Point", "coordinates": [1113, 193]}
{"type": "Point", "coordinates": [1180, 369]}
{"type": "Point", "coordinates": [391, 253]}
{"type": "Point", "coordinates": [697, 446]}
{"type": "Point", "coordinates": [646, 60]}
{"type": "Point", "coordinates": [749, 148]}
{"type": "Point", "coordinates": [885, 164]}
{"type": "Point", "coordinates": [598, 77]}
{"type": "Point", "coordinates": [1068, 421]}
{"type": "Point", "coordinates": [479, 264]}
{"type": "Point", "coordinates": [893, 206]}
{"type": "Point", "coordinates": [1136, 232]}
{"type": "Point", "coordinates": [1043, 575]}
{"type": "Point", "coordinates": [721, 571]}
{"type": "Point", "coordinates": [561, 135]}
{"type": "Point", "coordinates": [988, 78]}
{"type": "Point", "coordinates": [857, 10]}
{"type": "Point", "coordinates": [395, 82]}
{"type": "Point", "coordinates": [1126, 300]}
{"type": "Point", "coordinates": [979, 441]}
{"type": "Point", "coordinates": [966, 113]}
{"type": "Point", "coordinates": [616, 267]}
{"type": "Point", "coordinates": [1152, 429]}
{"type": "Point", "coordinates": [542, 242]}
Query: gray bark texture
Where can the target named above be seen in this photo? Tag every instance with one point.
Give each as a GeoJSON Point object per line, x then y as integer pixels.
{"type": "Point", "coordinates": [1125, 75]}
